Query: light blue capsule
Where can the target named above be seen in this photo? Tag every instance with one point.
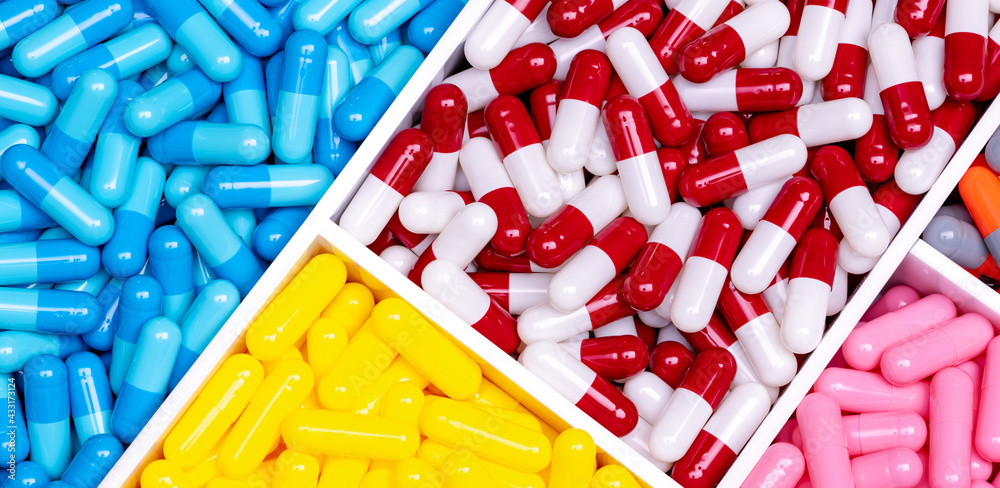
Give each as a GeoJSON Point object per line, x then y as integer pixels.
{"type": "Point", "coordinates": [208, 143]}
{"type": "Point", "coordinates": [322, 15]}
{"type": "Point", "coordinates": [17, 214]}
{"type": "Point", "coordinates": [153, 76]}
{"type": "Point", "coordinates": [46, 410]}
{"type": "Point", "coordinates": [79, 28]}
{"type": "Point", "coordinates": [281, 11]}
{"type": "Point", "coordinates": [298, 96]}
{"type": "Point", "coordinates": [224, 252]}
{"type": "Point", "coordinates": [171, 261]}
{"type": "Point", "coordinates": [125, 254]}
{"type": "Point", "coordinates": [16, 348]}
{"type": "Point", "coordinates": [19, 18]}
{"type": "Point", "coordinates": [89, 395]}
{"type": "Point", "coordinates": [102, 337]}
{"type": "Point", "coordinates": [367, 102]}
{"type": "Point", "coordinates": [272, 83]}
{"type": "Point", "coordinates": [243, 222]}
{"type": "Point", "coordinates": [47, 261]}
{"type": "Point", "coordinates": [92, 285]}
{"type": "Point", "coordinates": [93, 462]}
{"type": "Point", "coordinates": [245, 98]}
{"type": "Point", "coordinates": [15, 442]}
{"type": "Point", "coordinates": [194, 30]}
{"type": "Point", "coordinates": [184, 181]}
{"type": "Point", "coordinates": [178, 61]}
{"type": "Point", "coordinates": [179, 98]}
{"type": "Point", "coordinates": [20, 236]}
{"type": "Point", "coordinates": [26, 102]}
{"type": "Point", "coordinates": [218, 114]}
{"type": "Point", "coordinates": [382, 48]}
{"type": "Point", "coordinates": [329, 149]}
{"type": "Point", "coordinates": [47, 311]}
{"type": "Point", "coordinates": [250, 24]}
{"type": "Point", "coordinates": [203, 275]}
{"type": "Point", "coordinates": [267, 186]}
{"type": "Point", "coordinates": [274, 232]}
{"type": "Point", "coordinates": [141, 300]}
{"type": "Point", "coordinates": [71, 136]}
{"type": "Point", "coordinates": [209, 312]}
{"type": "Point", "coordinates": [375, 19]}
{"type": "Point", "coordinates": [273, 3]}
{"type": "Point", "coordinates": [145, 385]}
{"type": "Point", "coordinates": [357, 54]}
{"type": "Point", "coordinates": [115, 152]}
{"type": "Point", "coordinates": [13, 135]}
{"type": "Point", "coordinates": [27, 474]}
{"type": "Point", "coordinates": [426, 28]}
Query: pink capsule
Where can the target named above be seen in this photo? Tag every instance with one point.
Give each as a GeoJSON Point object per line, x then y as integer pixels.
{"type": "Point", "coordinates": [894, 206]}
{"type": "Point", "coordinates": [638, 164]}
{"type": "Point", "coordinates": [980, 469]}
{"type": "Point", "coordinates": [692, 404]}
{"type": "Point", "coordinates": [817, 124]}
{"type": "Point", "coordinates": [743, 90]}
{"type": "Point", "coordinates": [613, 358]}
{"type": "Point", "coordinates": [461, 240]}
{"type": "Point", "coordinates": [649, 393]}
{"type": "Point", "coordinates": [583, 276]}
{"type": "Point", "coordinates": [869, 433]}
{"type": "Point", "coordinates": [569, 18]}
{"type": "Point", "coordinates": [847, 77]}
{"type": "Point", "coordinates": [724, 132]}
{"type": "Point", "coordinates": [929, 54]}
{"type": "Point", "coordinates": [892, 300]}
{"type": "Point", "coordinates": [544, 322]}
{"type": "Point", "coordinates": [918, 16]}
{"type": "Point", "coordinates": [449, 284]}
{"type": "Point", "coordinates": [430, 211]}
{"type": "Point", "coordinates": [718, 334]}
{"type": "Point", "coordinates": [824, 446]}
{"type": "Point", "coordinates": [776, 293]}
{"type": "Point", "coordinates": [906, 109]}
{"type": "Point", "coordinates": [515, 292]}
{"type": "Point", "coordinates": [966, 27]}
{"type": "Point", "coordinates": [581, 386]}
{"type": "Point", "coordinates": [579, 111]}
{"type": "Point", "coordinates": [704, 273]}
{"type": "Point", "coordinates": [988, 426]}
{"type": "Point", "coordinates": [685, 22]}
{"type": "Point", "coordinates": [919, 168]}
{"type": "Point", "coordinates": [646, 80]}
{"type": "Point", "coordinates": [991, 85]}
{"type": "Point", "coordinates": [781, 466]}
{"type": "Point", "coordinates": [863, 392]}
{"type": "Point", "coordinates": [865, 346]}
{"type": "Point", "coordinates": [752, 323]}
{"type": "Point", "coordinates": [522, 69]}
{"type": "Point", "coordinates": [849, 201]}
{"type": "Point", "coordinates": [728, 44]}
{"type": "Point", "coordinates": [660, 259]}
{"type": "Point", "coordinates": [875, 153]}
{"type": "Point", "coordinates": [950, 429]}
{"type": "Point", "coordinates": [523, 156]}
{"type": "Point", "coordinates": [443, 119]}
{"type": "Point", "coordinates": [392, 178]}
{"type": "Point", "coordinates": [498, 31]}
{"type": "Point", "coordinates": [949, 344]}
{"type": "Point", "coordinates": [774, 238]}
{"type": "Point", "coordinates": [809, 288]}
{"type": "Point", "coordinates": [892, 468]}
{"type": "Point", "coordinates": [491, 185]}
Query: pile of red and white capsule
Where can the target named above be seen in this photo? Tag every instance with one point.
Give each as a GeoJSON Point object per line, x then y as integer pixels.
{"type": "Point", "coordinates": [543, 184]}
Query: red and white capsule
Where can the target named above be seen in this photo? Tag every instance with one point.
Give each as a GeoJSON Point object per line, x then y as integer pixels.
{"type": "Point", "coordinates": [849, 201]}
{"type": "Point", "coordinates": [392, 178]}
{"type": "Point", "coordinates": [687, 21]}
{"type": "Point", "coordinates": [646, 80]}
{"type": "Point", "coordinates": [929, 54]}
{"type": "Point", "coordinates": [661, 258]}
{"type": "Point", "coordinates": [819, 31]}
{"type": "Point", "coordinates": [523, 156]}
{"type": "Point", "coordinates": [742, 170]}
{"type": "Point", "coordinates": [894, 206]}
{"type": "Point", "coordinates": [776, 293]}
{"type": "Point", "coordinates": [724, 132]}
{"type": "Point", "coordinates": [580, 385]}
{"type": "Point", "coordinates": [816, 124]}
{"type": "Point", "coordinates": [774, 238]}
{"type": "Point", "coordinates": [613, 358]}
{"type": "Point", "coordinates": [670, 362]}
{"type": "Point", "coordinates": [638, 163]}
{"type": "Point", "coordinates": [966, 25]}
{"type": "Point", "coordinates": [743, 90]}
{"type": "Point", "coordinates": [430, 211]}
{"type": "Point", "coordinates": [498, 31]}
{"type": "Point", "coordinates": [991, 87]}
{"type": "Point", "coordinates": [492, 260]}
{"type": "Point", "coordinates": [443, 119]}
{"type": "Point", "coordinates": [461, 240]}
{"type": "Point", "coordinates": [918, 17]}
{"type": "Point", "coordinates": [514, 292]}
{"type": "Point", "coordinates": [400, 258]}
{"type": "Point", "coordinates": [786, 47]}
{"type": "Point", "coordinates": [751, 206]}
{"type": "Point", "coordinates": [451, 286]}
{"type": "Point", "coordinates": [753, 323]}
{"type": "Point", "coordinates": [692, 404]}
{"type": "Point", "coordinates": [545, 323]}
{"type": "Point", "coordinates": [579, 111]}
{"type": "Point", "coordinates": [850, 65]}
{"type": "Point", "coordinates": [521, 70]}
{"type": "Point", "coordinates": [919, 168]}
{"type": "Point", "coordinates": [906, 111]}
{"type": "Point", "coordinates": [718, 334]}
{"type": "Point", "coordinates": [727, 45]}
{"type": "Point", "coordinates": [875, 153]}
{"type": "Point", "coordinates": [569, 18]}
{"type": "Point", "coordinates": [813, 269]}
{"type": "Point", "coordinates": [596, 264]}
{"type": "Point", "coordinates": [649, 394]}
{"type": "Point", "coordinates": [704, 273]}
{"type": "Point", "coordinates": [491, 185]}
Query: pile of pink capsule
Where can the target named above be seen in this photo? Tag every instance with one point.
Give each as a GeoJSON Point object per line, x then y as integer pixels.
{"type": "Point", "coordinates": [658, 213]}
{"type": "Point", "coordinates": [911, 401]}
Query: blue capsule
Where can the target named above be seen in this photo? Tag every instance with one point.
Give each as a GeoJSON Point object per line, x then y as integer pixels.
{"type": "Point", "coordinates": [15, 442]}
{"type": "Point", "coordinates": [194, 30]}
{"type": "Point", "coordinates": [267, 186]}
{"type": "Point", "coordinates": [154, 76]}
{"type": "Point", "coordinates": [48, 261]}
{"type": "Point", "coordinates": [122, 57]}
{"type": "Point", "coordinates": [426, 28]}
{"type": "Point", "coordinates": [145, 385]}
{"type": "Point", "coordinates": [102, 337]}
{"type": "Point", "coordinates": [375, 19]}
{"type": "Point", "coordinates": [18, 214]}
{"type": "Point", "coordinates": [48, 311]}
{"type": "Point", "coordinates": [274, 232]}
{"type": "Point", "coordinates": [38, 180]}
{"type": "Point", "coordinates": [357, 54]}
{"type": "Point", "coordinates": [46, 410]}
{"type": "Point", "coordinates": [272, 83]}
{"type": "Point", "coordinates": [115, 152]}
{"type": "Point", "coordinates": [79, 28]}
{"type": "Point", "coordinates": [92, 285]}
{"type": "Point", "coordinates": [246, 101]}
{"type": "Point", "coordinates": [298, 96]}
{"type": "Point", "coordinates": [183, 181]}
{"type": "Point", "coordinates": [242, 221]}
{"type": "Point", "coordinates": [322, 15]}
{"type": "Point", "coordinates": [89, 395]}
{"type": "Point", "coordinates": [20, 236]}
{"type": "Point", "coordinates": [140, 14]}
{"type": "Point", "coordinates": [179, 98]}
{"type": "Point", "coordinates": [15, 134]}
{"type": "Point", "coordinates": [281, 11]}
{"type": "Point", "coordinates": [208, 143]}
{"type": "Point", "coordinates": [329, 149]}
{"type": "Point", "coordinates": [171, 260]}
{"type": "Point", "coordinates": [382, 48]}
{"type": "Point", "coordinates": [250, 24]}
{"type": "Point", "coordinates": [141, 300]}
{"type": "Point", "coordinates": [16, 348]}
{"type": "Point", "coordinates": [226, 255]}
{"type": "Point", "coordinates": [207, 315]}
{"type": "Point", "coordinates": [178, 61]}
{"type": "Point", "coordinates": [27, 474]}
{"type": "Point", "coordinates": [93, 462]}
{"type": "Point", "coordinates": [367, 102]}
{"type": "Point", "coordinates": [26, 102]}
{"type": "Point", "coordinates": [19, 18]}
{"type": "Point", "coordinates": [70, 138]}
{"type": "Point", "coordinates": [203, 275]}
{"type": "Point", "coordinates": [218, 114]}
{"type": "Point", "coordinates": [125, 254]}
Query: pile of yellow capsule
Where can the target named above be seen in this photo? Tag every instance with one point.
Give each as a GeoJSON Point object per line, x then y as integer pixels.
{"type": "Point", "coordinates": [338, 391]}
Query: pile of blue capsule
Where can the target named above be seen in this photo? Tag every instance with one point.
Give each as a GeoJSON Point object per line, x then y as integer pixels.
{"type": "Point", "coordinates": [119, 262]}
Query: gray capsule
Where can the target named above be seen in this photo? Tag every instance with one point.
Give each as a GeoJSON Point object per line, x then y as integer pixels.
{"type": "Point", "coordinates": [993, 151]}
{"type": "Point", "coordinates": [958, 240]}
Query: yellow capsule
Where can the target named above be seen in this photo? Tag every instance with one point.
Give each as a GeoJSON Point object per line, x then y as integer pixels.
{"type": "Point", "coordinates": [351, 307]}
{"type": "Point", "coordinates": [285, 320]}
{"type": "Point", "coordinates": [489, 394]}
{"type": "Point", "coordinates": [458, 424]}
{"type": "Point", "coordinates": [290, 353]}
{"type": "Point", "coordinates": [462, 469]}
{"type": "Point", "coordinates": [549, 432]}
{"type": "Point", "coordinates": [296, 470]}
{"type": "Point", "coordinates": [382, 464]}
{"type": "Point", "coordinates": [403, 401]}
{"type": "Point", "coordinates": [613, 476]}
{"type": "Point", "coordinates": [349, 434]}
{"type": "Point", "coordinates": [257, 430]}
{"type": "Point", "coordinates": [414, 473]}
{"type": "Point", "coordinates": [205, 471]}
{"type": "Point", "coordinates": [342, 472]}
{"type": "Point", "coordinates": [525, 419]}
{"type": "Point", "coordinates": [377, 478]}
{"type": "Point", "coordinates": [214, 410]}
{"type": "Point", "coordinates": [435, 454]}
{"type": "Point", "coordinates": [325, 341]}
{"type": "Point", "coordinates": [262, 477]}
{"type": "Point", "coordinates": [400, 370]}
{"type": "Point", "coordinates": [311, 401]}
{"type": "Point", "coordinates": [362, 362]}
{"type": "Point", "coordinates": [574, 460]}
{"type": "Point", "coordinates": [436, 356]}
{"type": "Point", "coordinates": [164, 474]}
